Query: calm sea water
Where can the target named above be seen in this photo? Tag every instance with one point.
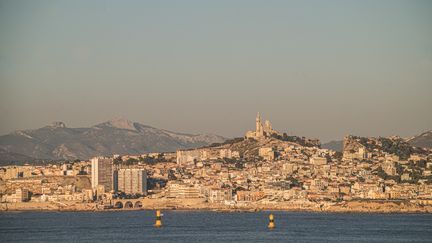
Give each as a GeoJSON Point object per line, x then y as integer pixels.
{"type": "Point", "coordinates": [193, 226]}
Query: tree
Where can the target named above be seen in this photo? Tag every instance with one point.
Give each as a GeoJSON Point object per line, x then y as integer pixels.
{"type": "Point", "coordinates": [117, 160]}
{"type": "Point", "coordinates": [239, 165]}
{"type": "Point", "coordinates": [399, 169]}
{"type": "Point", "coordinates": [131, 161]}
{"type": "Point", "coordinates": [421, 163]}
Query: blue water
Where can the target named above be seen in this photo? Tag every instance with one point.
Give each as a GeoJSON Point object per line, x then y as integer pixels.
{"type": "Point", "coordinates": [194, 226]}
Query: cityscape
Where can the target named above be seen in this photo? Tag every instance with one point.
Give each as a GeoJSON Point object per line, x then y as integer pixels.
{"type": "Point", "coordinates": [216, 121]}
{"type": "Point", "coordinates": [264, 170]}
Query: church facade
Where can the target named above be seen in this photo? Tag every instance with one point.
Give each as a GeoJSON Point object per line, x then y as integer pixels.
{"type": "Point", "coordinates": [261, 130]}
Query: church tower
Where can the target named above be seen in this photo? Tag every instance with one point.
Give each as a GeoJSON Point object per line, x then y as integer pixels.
{"type": "Point", "coordinates": [259, 128]}
{"type": "Point", "coordinates": [262, 130]}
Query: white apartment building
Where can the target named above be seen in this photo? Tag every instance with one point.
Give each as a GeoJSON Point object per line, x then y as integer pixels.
{"type": "Point", "coordinates": [132, 181]}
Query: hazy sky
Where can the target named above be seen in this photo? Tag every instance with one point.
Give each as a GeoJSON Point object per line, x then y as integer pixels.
{"type": "Point", "coordinates": [320, 69]}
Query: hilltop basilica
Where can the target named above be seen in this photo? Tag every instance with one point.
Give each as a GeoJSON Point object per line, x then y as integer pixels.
{"type": "Point", "coordinates": [261, 131]}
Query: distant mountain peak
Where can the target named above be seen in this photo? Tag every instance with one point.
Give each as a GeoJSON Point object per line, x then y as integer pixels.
{"type": "Point", "coordinates": [57, 124]}
{"type": "Point", "coordinates": [120, 123]}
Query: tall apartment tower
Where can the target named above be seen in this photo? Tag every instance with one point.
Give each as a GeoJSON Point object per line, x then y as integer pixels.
{"type": "Point", "coordinates": [132, 181]}
{"type": "Point", "coordinates": [102, 173]}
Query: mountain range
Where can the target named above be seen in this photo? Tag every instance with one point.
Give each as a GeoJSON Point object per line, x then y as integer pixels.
{"type": "Point", "coordinates": [117, 136]}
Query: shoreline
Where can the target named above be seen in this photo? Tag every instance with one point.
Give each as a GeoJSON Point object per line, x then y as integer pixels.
{"type": "Point", "coordinates": [349, 207]}
{"type": "Point", "coordinates": [215, 211]}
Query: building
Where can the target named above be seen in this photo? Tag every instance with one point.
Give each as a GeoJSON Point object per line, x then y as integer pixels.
{"type": "Point", "coordinates": [102, 173]}
{"type": "Point", "coordinates": [182, 190]}
{"type": "Point", "coordinates": [132, 181]}
{"type": "Point", "coordinates": [261, 131]}
{"type": "Point", "coordinates": [227, 153]}
{"type": "Point", "coordinates": [315, 160]}
{"type": "Point", "coordinates": [389, 168]}
{"type": "Point", "coordinates": [192, 156]}
{"type": "Point", "coordinates": [250, 196]}
{"type": "Point", "coordinates": [354, 150]}
{"type": "Point", "coordinates": [267, 153]}
{"type": "Point", "coordinates": [20, 195]}
{"type": "Point", "coordinates": [288, 168]}
{"type": "Point", "coordinates": [219, 195]}
{"type": "Point", "coordinates": [188, 156]}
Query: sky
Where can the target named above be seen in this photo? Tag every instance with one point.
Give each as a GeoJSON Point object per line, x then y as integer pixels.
{"type": "Point", "coordinates": [320, 69]}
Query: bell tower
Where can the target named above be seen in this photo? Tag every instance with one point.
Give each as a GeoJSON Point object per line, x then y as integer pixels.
{"type": "Point", "coordinates": [259, 128]}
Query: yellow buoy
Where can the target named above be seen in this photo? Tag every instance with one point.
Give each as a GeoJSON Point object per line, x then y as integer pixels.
{"type": "Point", "coordinates": [271, 224]}
{"type": "Point", "coordinates": [158, 219]}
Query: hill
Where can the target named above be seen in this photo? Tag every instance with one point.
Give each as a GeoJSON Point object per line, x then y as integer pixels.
{"type": "Point", "coordinates": [118, 136]}
{"type": "Point", "coordinates": [333, 145]}
{"type": "Point", "coordinates": [392, 145]}
{"type": "Point", "coordinates": [423, 140]}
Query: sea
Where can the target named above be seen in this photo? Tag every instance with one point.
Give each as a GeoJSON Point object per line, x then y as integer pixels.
{"type": "Point", "coordinates": [208, 226]}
